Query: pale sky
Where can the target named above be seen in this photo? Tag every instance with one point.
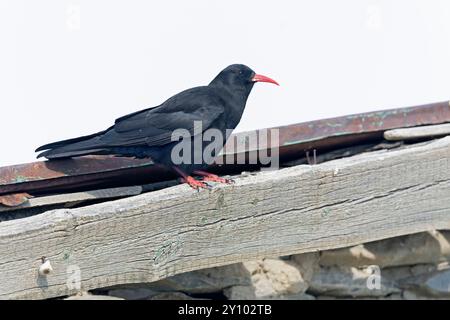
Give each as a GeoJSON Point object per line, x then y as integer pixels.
{"type": "Point", "coordinates": [69, 68]}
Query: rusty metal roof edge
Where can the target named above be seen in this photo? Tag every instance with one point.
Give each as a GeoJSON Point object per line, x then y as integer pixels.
{"type": "Point", "coordinates": [336, 122]}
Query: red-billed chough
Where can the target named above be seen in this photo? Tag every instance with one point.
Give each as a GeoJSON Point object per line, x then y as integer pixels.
{"type": "Point", "coordinates": [149, 133]}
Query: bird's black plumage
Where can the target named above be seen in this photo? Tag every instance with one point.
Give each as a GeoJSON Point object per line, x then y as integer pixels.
{"type": "Point", "coordinates": [148, 133]}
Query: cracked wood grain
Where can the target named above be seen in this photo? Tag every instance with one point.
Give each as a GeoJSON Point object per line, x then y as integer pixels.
{"type": "Point", "coordinates": [304, 208]}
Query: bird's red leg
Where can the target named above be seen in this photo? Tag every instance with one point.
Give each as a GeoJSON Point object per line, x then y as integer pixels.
{"type": "Point", "coordinates": [212, 177]}
{"type": "Point", "coordinates": [195, 184]}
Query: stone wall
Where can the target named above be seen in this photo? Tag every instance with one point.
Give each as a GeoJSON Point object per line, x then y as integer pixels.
{"type": "Point", "coordinates": [409, 267]}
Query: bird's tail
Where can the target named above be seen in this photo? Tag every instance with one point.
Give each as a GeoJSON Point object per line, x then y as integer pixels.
{"type": "Point", "coordinates": [73, 147]}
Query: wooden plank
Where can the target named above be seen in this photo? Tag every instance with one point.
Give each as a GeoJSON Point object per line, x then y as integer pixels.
{"type": "Point", "coordinates": [304, 208]}
{"type": "Point", "coordinates": [417, 132]}
{"type": "Point", "coordinates": [76, 197]}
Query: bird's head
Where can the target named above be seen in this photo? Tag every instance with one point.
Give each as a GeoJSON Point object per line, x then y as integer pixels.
{"type": "Point", "coordinates": [239, 75]}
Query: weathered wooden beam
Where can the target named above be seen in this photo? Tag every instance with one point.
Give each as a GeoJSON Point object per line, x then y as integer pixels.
{"type": "Point", "coordinates": [68, 198]}
{"type": "Point", "coordinates": [304, 208]}
{"type": "Point", "coordinates": [417, 132]}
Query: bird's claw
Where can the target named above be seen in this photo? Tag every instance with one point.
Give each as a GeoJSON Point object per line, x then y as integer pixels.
{"type": "Point", "coordinates": [195, 184]}
{"type": "Point", "coordinates": [215, 178]}
{"type": "Point", "coordinates": [230, 181]}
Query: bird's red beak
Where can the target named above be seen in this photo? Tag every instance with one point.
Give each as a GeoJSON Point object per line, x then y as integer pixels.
{"type": "Point", "coordinates": [261, 78]}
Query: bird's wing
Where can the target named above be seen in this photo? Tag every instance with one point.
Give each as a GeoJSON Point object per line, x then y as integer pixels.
{"type": "Point", "coordinates": [154, 127]}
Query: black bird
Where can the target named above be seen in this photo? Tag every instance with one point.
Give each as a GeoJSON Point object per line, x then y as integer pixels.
{"type": "Point", "coordinates": [148, 133]}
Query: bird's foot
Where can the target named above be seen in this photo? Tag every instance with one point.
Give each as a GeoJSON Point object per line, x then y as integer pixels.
{"type": "Point", "coordinates": [195, 184]}
{"type": "Point", "coordinates": [215, 178]}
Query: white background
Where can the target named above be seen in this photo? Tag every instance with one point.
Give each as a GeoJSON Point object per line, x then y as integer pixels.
{"type": "Point", "coordinates": [69, 68]}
